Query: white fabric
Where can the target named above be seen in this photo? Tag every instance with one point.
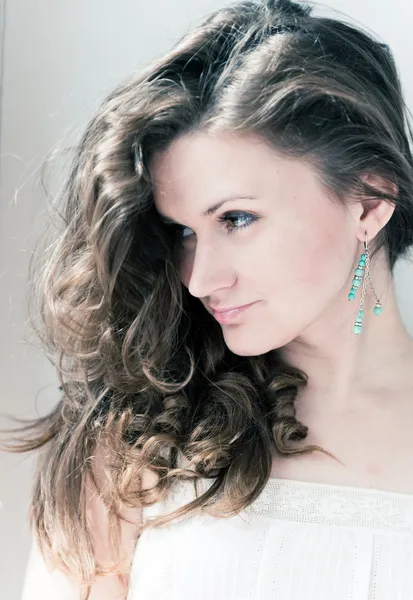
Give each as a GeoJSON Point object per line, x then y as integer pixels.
{"type": "Point", "coordinates": [297, 541]}
{"type": "Point", "coordinates": [42, 584]}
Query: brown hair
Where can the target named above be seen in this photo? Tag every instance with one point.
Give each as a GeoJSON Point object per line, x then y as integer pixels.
{"type": "Point", "coordinates": [144, 369]}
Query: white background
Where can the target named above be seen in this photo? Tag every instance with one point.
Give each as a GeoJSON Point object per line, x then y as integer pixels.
{"type": "Point", "coordinates": [59, 60]}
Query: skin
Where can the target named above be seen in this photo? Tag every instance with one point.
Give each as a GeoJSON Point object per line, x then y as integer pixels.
{"type": "Point", "coordinates": [296, 260]}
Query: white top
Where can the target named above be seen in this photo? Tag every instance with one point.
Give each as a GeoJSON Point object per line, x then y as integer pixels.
{"type": "Point", "coordinates": [297, 541]}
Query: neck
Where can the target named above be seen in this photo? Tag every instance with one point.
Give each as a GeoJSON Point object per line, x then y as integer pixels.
{"type": "Point", "coordinates": [344, 369]}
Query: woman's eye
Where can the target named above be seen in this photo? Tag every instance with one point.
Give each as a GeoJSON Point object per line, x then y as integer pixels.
{"type": "Point", "coordinates": [234, 220]}
{"type": "Point", "coordinates": [181, 230]}
{"type": "Point", "coordinates": [237, 220]}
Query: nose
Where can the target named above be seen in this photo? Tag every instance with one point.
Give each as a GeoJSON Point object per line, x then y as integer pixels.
{"type": "Point", "coordinates": [206, 270]}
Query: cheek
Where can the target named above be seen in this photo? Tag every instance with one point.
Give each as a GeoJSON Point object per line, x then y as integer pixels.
{"type": "Point", "coordinates": [183, 265]}
{"type": "Point", "coordinates": [317, 261]}
{"type": "Point", "coordinates": [303, 263]}
{"type": "Point", "coordinates": [184, 275]}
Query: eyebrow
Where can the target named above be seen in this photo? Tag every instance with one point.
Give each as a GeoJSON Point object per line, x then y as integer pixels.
{"type": "Point", "coordinates": [212, 209]}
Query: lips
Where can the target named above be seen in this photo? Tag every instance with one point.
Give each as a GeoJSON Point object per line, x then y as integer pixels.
{"type": "Point", "coordinates": [222, 310]}
{"type": "Point", "coordinates": [229, 315]}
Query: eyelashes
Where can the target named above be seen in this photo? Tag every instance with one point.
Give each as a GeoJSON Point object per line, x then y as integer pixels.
{"type": "Point", "coordinates": [233, 220]}
{"type": "Point", "coordinates": [244, 220]}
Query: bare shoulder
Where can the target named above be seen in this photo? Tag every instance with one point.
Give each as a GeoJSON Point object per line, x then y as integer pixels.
{"type": "Point", "coordinates": [41, 581]}
{"type": "Point", "coordinates": [110, 587]}
{"type": "Point", "coordinates": [98, 513]}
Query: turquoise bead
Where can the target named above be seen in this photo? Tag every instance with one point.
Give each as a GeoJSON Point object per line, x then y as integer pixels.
{"type": "Point", "coordinates": [362, 262]}
{"type": "Point", "coordinates": [351, 296]}
{"type": "Point", "coordinates": [378, 310]}
{"type": "Point", "coordinates": [359, 272]}
{"type": "Point", "coordinates": [356, 282]}
{"type": "Point", "coordinates": [363, 256]}
{"type": "Point", "coordinates": [357, 329]}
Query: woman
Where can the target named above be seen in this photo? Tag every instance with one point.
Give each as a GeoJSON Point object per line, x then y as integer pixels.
{"type": "Point", "coordinates": [200, 450]}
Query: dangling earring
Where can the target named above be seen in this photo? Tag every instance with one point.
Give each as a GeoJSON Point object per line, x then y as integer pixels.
{"type": "Point", "coordinates": [362, 271]}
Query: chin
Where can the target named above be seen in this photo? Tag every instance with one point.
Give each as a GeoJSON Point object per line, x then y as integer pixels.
{"type": "Point", "coordinates": [242, 344]}
{"type": "Point", "coordinates": [248, 347]}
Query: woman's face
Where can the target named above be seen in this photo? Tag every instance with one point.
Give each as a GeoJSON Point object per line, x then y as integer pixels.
{"type": "Point", "coordinates": [275, 239]}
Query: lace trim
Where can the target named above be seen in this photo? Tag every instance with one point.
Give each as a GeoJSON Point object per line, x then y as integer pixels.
{"type": "Point", "coordinates": [311, 502]}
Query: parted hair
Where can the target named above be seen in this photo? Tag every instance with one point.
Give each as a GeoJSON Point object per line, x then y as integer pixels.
{"type": "Point", "coordinates": [143, 368]}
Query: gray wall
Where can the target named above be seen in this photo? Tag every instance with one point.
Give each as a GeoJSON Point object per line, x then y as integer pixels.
{"type": "Point", "coordinates": [60, 59]}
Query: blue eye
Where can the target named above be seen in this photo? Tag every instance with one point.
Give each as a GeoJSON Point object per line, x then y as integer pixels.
{"type": "Point", "coordinates": [234, 220]}
{"type": "Point", "coordinates": [179, 231]}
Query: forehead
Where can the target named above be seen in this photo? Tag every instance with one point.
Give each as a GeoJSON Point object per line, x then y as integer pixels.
{"type": "Point", "coordinates": [223, 156]}
{"type": "Point", "coordinates": [202, 168]}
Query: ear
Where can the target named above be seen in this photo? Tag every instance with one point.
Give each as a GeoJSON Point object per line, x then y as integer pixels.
{"type": "Point", "coordinates": [375, 213]}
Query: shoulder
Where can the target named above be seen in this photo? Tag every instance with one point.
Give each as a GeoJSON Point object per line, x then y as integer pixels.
{"type": "Point", "coordinates": [98, 515]}
{"type": "Point", "coordinates": [42, 581]}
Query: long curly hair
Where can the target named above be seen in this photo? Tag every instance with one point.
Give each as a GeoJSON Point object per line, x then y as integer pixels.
{"type": "Point", "coordinates": [143, 367]}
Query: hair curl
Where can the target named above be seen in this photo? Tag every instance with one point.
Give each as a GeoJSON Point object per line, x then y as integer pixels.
{"type": "Point", "coordinates": [143, 368]}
